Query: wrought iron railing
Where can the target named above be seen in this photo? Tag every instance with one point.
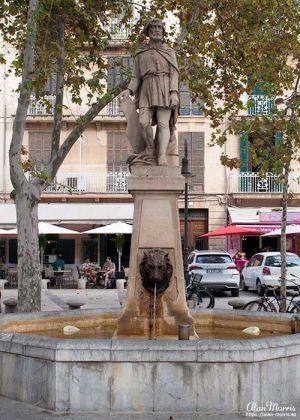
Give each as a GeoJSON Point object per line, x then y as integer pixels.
{"type": "Point", "coordinates": [42, 107]}
{"type": "Point", "coordinates": [253, 182]}
{"type": "Point", "coordinates": [119, 31]}
{"type": "Point", "coordinates": [262, 104]}
{"type": "Point", "coordinates": [113, 108]}
{"type": "Point", "coordinates": [109, 182]}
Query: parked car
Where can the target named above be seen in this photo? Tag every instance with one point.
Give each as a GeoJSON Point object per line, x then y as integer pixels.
{"type": "Point", "coordinates": [217, 269]}
{"type": "Point", "coordinates": [263, 269]}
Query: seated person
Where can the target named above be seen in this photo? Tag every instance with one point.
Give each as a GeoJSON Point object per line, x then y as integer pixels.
{"type": "Point", "coordinates": [88, 270]}
{"type": "Point", "coordinates": [59, 264]}
{"type": "Point", "coordinates": [109, 268]}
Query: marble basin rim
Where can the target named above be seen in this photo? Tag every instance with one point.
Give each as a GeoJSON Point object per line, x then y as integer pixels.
{"type": "Point", "coordinates": [141, 376]}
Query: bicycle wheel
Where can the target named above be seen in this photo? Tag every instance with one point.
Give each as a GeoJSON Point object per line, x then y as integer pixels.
{"type": "Point", "coordinates": [295, 309]}
{"type": "Point", "coordinates": [271, 307]}
{"type": "Point", "coordinates": [255, 305]}
{"type": "Point", "coordinates": [203, 298]}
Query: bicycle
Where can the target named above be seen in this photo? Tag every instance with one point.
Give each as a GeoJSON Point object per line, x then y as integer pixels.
{"type": "Point", "coordinates": [198, 293]}
{"type": "Point", "coordinates": [270, 304]}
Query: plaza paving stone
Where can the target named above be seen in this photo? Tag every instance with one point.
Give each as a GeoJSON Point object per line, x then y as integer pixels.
{"type": "Point", "coordinates": [14, 410]}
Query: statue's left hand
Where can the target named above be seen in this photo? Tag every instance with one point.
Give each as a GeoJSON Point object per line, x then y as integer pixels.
{"type": "Point", "coordinates": [174, 100]}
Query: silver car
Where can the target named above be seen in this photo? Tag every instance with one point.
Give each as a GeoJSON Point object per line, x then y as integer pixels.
{"type": "Point", "coordinates": [217, 269]}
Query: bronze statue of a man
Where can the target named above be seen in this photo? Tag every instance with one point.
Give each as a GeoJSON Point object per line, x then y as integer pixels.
{"type": "Point", "coordinates": [155, 85]}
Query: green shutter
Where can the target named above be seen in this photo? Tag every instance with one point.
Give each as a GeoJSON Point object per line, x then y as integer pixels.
{"type": "Point", "coordinates": [257, 91]}
{"type": "Point", "coordinates": [244, 152]}
{"type": "Point", "coordinates": [278, 137]}
{"type": "Point", "coordinates": [244, 159]}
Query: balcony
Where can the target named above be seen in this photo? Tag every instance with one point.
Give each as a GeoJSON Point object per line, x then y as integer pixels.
{"type": "Point", "coordinates": [109, 182]}
{"type": "Point", "coordinates": [252, 182]}
{"type": "Point", "coordinates": [118, 31]}
{"type": "Point", "coordinates": [44, 107]}
{"type": "Point", "coordinates": [113, 108]}
{"type": "Point", "coordinates": [190, 110]}
{"type": "Point", "coordinates": [262, 104]}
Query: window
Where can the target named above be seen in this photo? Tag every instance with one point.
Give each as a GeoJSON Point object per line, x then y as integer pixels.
{"type": "Point", "coordinates": [90, 249]}
{"type": "Point", "coordinates": [275, 261]}
{"type": "Point", "coordinates": [213, 259]}
{"type": "Point", "coordinates": [2, 251]}
{"type": "Point", "coordinates": [117, 72]}
{"type": "Point", "coordinates": [118, 68]}
{"type": "Point", "coordinates": [39, 150]}
{"type": "Point", "coordinates": [44, 106]}
{"type": "Point", "coordinates": [195, 142]}
{"type": "Point", "coordinates": [117, 30]}
{"type": "Point", "coordinates": [257, 261]}
{"type": "Point", "coordinates": [12, 251]}
{"type": "Point", "coordinates": [187, 107]}
{"type": "Point", "coordinates": [50, 86]}
{"type": "Point", "coordinates": [118, 149]}
{"type": "Point", "coordinates": [66, 247]}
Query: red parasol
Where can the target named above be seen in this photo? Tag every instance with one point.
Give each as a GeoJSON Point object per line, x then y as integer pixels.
{"type": "Point", "coordinates": [232, 230]}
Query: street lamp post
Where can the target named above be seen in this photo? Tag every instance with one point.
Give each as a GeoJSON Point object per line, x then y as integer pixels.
{"type": "Point", "coordinates": [186, 174]}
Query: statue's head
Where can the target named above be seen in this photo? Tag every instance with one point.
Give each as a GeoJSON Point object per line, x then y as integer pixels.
{"type": "Point", "coordinates": [155, 29]}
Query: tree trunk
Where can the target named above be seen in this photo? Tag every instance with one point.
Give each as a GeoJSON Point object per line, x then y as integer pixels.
{"type": "Point", "coordinates": [29, 275]}
{"type": "Point", "coordinates": [27, 194]}
{"type": "Point", "coordinates": [282, 305]}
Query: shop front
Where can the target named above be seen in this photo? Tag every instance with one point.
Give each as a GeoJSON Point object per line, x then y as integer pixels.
{"type": "Point", "coordinates": [264, 220]}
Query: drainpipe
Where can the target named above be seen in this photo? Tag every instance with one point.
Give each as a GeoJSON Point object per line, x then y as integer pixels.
{"type": "Point", "coordinates": [4, 128]}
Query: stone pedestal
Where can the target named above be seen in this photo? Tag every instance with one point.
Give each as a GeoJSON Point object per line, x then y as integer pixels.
{"type": "Point", "coordinates": [155, 225]}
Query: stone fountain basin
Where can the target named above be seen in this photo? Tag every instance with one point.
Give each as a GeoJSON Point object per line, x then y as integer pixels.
{"type": "Point", "coordinates": [142, 376]}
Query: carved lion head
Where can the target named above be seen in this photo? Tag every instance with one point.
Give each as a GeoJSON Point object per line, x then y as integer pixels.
{"type": "Point", "coordinates": [156, 269]}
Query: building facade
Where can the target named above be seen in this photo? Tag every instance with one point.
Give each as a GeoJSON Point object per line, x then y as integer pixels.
{"type": "Point", "coordinates": [90, 188]}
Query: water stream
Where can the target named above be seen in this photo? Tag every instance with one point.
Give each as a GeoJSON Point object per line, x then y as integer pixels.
{"type": "Point", "coordinates": [152, 334]}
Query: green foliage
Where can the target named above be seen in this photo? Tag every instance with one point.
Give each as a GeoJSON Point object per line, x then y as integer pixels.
{"type": "Point", "coordinates": [119, 242]}
{"type": "Point", "coordinates": [238, 47]}
{"type": "Point", "coordinates": [42, 242]}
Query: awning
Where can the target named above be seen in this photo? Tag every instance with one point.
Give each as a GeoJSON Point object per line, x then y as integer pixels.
{"type": "Point", "coordinates": [290, 230]}
{"type": "Point", "coordinates": [261, 228]}
{"type": "Point", "coordinates": [261, 216]}
{"type": "Point", "coordinates": [73, 213]}
{"type": "Point", "coordinates": [231, 230]}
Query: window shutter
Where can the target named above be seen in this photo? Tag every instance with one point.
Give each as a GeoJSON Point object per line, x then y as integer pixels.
{"type": "Point", "coordinates": [195, 143]}
{"type": "Point", "coordinates": [197, 161]}
{"type": "Point", "coordinates": [39, 150]}
{"type": "Point", "coordinates": [278, 137]}
{"type": "Point", "coordinates": [118, 150]}
{"type": "Point", "coordinates": [244, 152]}
{"type": "Point", "coordinates": [257, 91]}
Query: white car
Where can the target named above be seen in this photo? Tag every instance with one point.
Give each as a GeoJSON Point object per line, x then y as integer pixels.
{"type": "Point", "coordinates": [217, 269]}
{"type": "Point", "coordinates": [263, 269]}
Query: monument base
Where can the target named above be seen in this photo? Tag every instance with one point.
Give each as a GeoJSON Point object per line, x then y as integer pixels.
{"type": "Point", "coordinates": [155, 226]}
